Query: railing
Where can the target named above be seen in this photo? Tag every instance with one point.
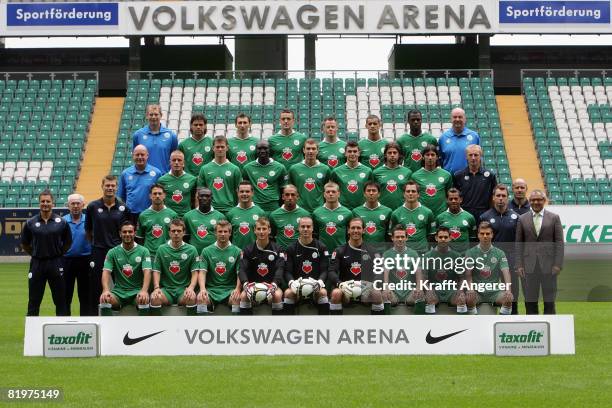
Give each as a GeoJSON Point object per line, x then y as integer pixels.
{"type": "Point", "coordinates": [565, 73]}
{"type": "Point", "coordinates": [63, 75]}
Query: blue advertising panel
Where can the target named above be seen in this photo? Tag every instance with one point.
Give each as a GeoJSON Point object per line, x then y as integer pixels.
{"type": "Point", "coordinates": [62, 14]}
{"type": "Point", "coordinates": [11, 224]}
{"type": "Point", "coordinates": [554, 12]}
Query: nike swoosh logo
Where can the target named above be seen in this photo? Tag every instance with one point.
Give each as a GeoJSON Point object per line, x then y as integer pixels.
{"type": "Point", "coordinates": [433, 340]}
{"type": "Point", "coordinates": [128, 341]}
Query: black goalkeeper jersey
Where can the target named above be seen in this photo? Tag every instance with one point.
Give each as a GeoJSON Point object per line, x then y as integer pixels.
{"type": "Point", "coordinates": [307, 261]}
{"type": "Point", "coordinates": [350, 263]}
{"type": "Point", "coordinates": [262, 265]}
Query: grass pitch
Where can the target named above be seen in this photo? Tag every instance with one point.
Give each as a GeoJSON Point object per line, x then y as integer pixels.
{"type": "Point", "coordinates": [582, 380]}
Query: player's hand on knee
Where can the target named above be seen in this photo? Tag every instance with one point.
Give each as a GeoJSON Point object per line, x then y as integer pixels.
{"type": "Point", "coordinates": [418, 294]}
{"type": "Point", "coordinates": [430, 297]}
{"type": "Point", "coordinates": [105, 297]}
{"type": "Point", "coordinates": [508, 297]}
{"type": "Point", "coordinates": [202, 296]}
{"type": "Point", "coordinates": [142, 298]}
{"type": "Point", "coordinates": [189, 294]}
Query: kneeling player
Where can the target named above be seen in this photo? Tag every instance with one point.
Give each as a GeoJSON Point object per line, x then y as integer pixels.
{"type": "Point", "coordinates": [399, 280]}
{"type": "Point", "coordinates": [494, 268]}
{"type": "Point", "coordinates": [130, 264]}
{"type": "Point", "coordinates": [306, 269]}
{"type": "Point", "coordinates": [218, 277]}
{"type": "Point", "coordinates": [351, 269]}
{"type": "Point", "coordinates": [440, 265]}
{"type": "Point", "coordinates": [175, 272]}
{"type": "Point", "coordinates": [261, 271]}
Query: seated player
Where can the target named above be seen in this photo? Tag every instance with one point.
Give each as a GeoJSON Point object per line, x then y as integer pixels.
{"type": "Point", "coordinates": [494, 268]}
{"type": "Point", "coordinates": [351, 270]}
{"type": "Point", "coordinates": [130, 264]}
{"type": "Point", "coordinates": [441, 268]}
{"type": "Point", "coordinates": [218, 277]}
{"type": "Point", "coordinates": [262, 262]}
{"type": "Point", "coordinates": [175, 272]}
{"type": "Point", "coordinates": [307, 263]}
{"type": "Point", "coordinates": [402, 277]}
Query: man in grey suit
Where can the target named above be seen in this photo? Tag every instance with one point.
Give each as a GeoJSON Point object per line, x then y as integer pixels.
{"type": "Point", "coordinates": [539, 250]}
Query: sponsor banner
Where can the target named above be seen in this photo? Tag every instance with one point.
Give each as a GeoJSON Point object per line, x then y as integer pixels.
{"type": "Point", "coordinates": [585, 224]}
{"type": "Point", "coordinates": [554, 12]}
{"type": "Point", "coordinates": [11, 225]}
{"type": "Point", "coordinates": [70, 340]}
{"type": "Point", "coordinates": [62, 14]}
{"type": "Point", "coordinates": [522, 339]}
{"type": "Point", "coordinates": [303, 335]}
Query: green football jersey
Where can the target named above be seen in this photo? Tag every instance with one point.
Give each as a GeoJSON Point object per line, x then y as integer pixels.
{"type": "Point", "coordinates": [432, 188]}
{"type": "Point", "coordinates": [440, 266]}
{"type": "Point", "coordinates": [223, 180]}
{"type": "Point", "coordinates": [331, 225]}
{"type": "Point", "coordinates": [127, 266]}
{"type": "Point", "coordinates": [419, 223]}
{"type": "Point", "coordinates": [243, 224]}
{"type": "Point", "coordinates": [351, 181]}
{"type": "Point", "coordinates": [179, 191]}
{"type": "Point", "coordinates": [400, 275]}
{"type": "Point", "coordinates": [462, 228]}
{"type": "Point", "coordinates": [287, 150]}
{"type": "Point", "coordinates": [201, 227]}
{"type": "Point", "coordinates": [176, 265]}
{"type": "Point", "coordinates": [371, 152]}
{"type": "Point", "coordinates": [285, 225]}
{"type": "Point", "coordinates": [221, 266]}
{"type": "Point", "coordinates": [153, 227]}
{"type": "Point", "coordinates": [197, 153]}
{"type": "Point", "coordinates": [413, 148]}
{"type": "Point", "coordinates": [267, 182]}
{"type": "Point", "coordinates": [493, 261]}
{"type": "Point", "coordinates": [392, 182]}
{"type": "Point", "coordinates": [310, 182]}
{"type": "Point", "coordinates": [332, 154]}
{"type": "Point", "coordinates": [242, 151]}
{"type": "Point", "coordinates": [375, 221]}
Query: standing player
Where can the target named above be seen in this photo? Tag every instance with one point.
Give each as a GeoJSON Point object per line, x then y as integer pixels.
{"type": "Point", "coordinates": [200, 222]}
{"type": "Point", "coordinates": [159, 140]}
{"type": "Point", "coordinates": [262, 262]}
{"type": "Point", "coordinates": [494, 269]}
{"type": "Point", "coordinates": [433, 180]}
{"type": "Point", "coordinates": [285, 219]}
{"type": "Point", "coordinates": [372, 148]}
{"type": "Point", "coordinates": [242, 147]}
{"type": "Point", "coordinates": [307, 259]}
{"type": "Point", "coordinates": [353, 264]}
{"type": "Point", "coordinates": [418, 219]}
{"type": "Point", "coordinates": [218, 278]}
{"type": "Point", "coordinates": [267, 176]}
{"type": "Point", "coordinates": [179, 185]}
{"type": "Point", "coordinates": [221, 176]}
{"type": "Point", "coordinates": [331, 149]}
{"type": "Point", "coordinates": [198, 148]}
{"type": "Point", "coordinates": [461, 224]}
{"type": "Point", "coordinates": [415, 141]}
{"type": "Point", "coordinates": [309, 177]}
{"type": "Point", "coordinates": [442, 268]}
{"type": "Point", "coordinates": [154, 222]}
{"type": "Point", "coordinates": [128, 265]}
{"type": "Point", "coordinates": [286, 146]}
{"type": "Point", "coordinates": [331, 219]}
{"type": "Point", "coordinates": [175, 272]}
{"type": "Point", "coordinates": [244, 215]}
{"type": "Point", "coordinates": [375, 216]}
{"type": "Point", "coordinates": [350, 177]}
{"type": "Point", "coordinates": [391, 177]}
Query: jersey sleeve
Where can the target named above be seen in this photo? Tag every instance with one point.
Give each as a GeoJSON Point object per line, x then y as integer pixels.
{"type": "Point", "coordinates": [140, 231]}
{"type": "Point", "coordinates": [284, 178]}
{"type": "Point", "coordinates": [279, 267]}
{"type": "Point", "coordinates": [195, 261]}
{"type": "Point", "coordinates": [89, 218]}
{"type": "Point", "coordinates": [26, 235]}
{"type": "Point", "coordinates": [174, 144]}
{"type": "Point", "coordinates": [108, 261]}
{"type": "Point", "coordinates": [204, 261]}
{"type": "Point", "coordinates": [157, 267]}
{"type": "Point", "coordinates": [244, 264]}
{"type": "Point", "coordinates": [201, 182]}
{"type": "Point", "coordinates": [431, 223]}
{"type": "Point", "coordinates": [146, 260]}
{"type": "Point", "coordinates": [333, 276]}
{"type": "Point", "coordinates": [121, 193]}
{"type": "Point", "coordinates": [67, 236]}
{"type": "Point", "coordinates": [289, 265]}
{"type": "Point", "coordinates": [135, 141]}
{"type": "Point", "coordinates": [324, 254]}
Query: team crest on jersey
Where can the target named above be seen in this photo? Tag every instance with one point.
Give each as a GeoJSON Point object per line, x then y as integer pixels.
{"type": "Point", "coordinates": [455, 233]}
{"type": "Point", "coordinates": [175, 267]}
{"type": "Point", "coordinates": [220, 268]}
{"type": "Point", "coordinates": [431, 190]}
{"type": "Point", "coordinates": [352, 186]}
{"type": "Point", "coordinates": [244, 228]}
{"type": "Point", "coordinates": [370, 227]}
{"type": "Point", "coordinates": [392, 186]}
{"type": "Point", "coordinates": [411, 229]}
{"type": "Point", "coordinates": [309, 184]}
{"type": "Point", "coordinates": [127, 270]}
{"type": "Point", "coordinates": [218, 183]}
{"type": "Point", "coordinates": [332, 161]}
{"type": "Point", "coordinates": [202, 231]}
{"type": "Point", "coordinates": [197, 158]}
{"type": "Point", "coordinates": [401, 273]}
{"type": "Point", "coordinates": [262, 269]}
{"type": "Point", "coordinates": [289, 231]}
{"type": "Point", "coordinates": [157, 231]}
{"type": "Point", "coordinates": [485, 272]}
{"type": "Point", "coordinates": [330, 228]}
{"type": "Point", "coordinates": [307, 267]}
{"type": "Point", "coordinates": [177, 196]}
{"type": "Point", "coordinates": [241, 157]}
{"type": "Point", "coordinates": [287, 153]}
{"type": "Point", "coordinates": [262, 183]}
{"type": "Point", "coordinates": [441, 276]}
{"type": "Point", "coordinates": [416, 155]}
{"type": "Point", "coordinates": [374, 160]}
{"type": "Point", "coordinates": [355, 268]}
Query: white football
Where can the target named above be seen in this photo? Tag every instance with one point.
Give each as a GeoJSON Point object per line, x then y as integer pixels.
{"type": "Point", "coordinates": [351, 289]}
{"type": "Point", "coordinates": [260, 293]}
{"type": "Point", "coordinates": [356, 289]}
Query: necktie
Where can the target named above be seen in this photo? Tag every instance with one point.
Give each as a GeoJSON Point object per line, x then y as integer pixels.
{"type": "Point", "coordinates": [537, 222]}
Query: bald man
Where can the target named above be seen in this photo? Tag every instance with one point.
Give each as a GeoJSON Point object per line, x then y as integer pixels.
{"type": "Point", "coordinates": [136, 181]}
{"type": "Point", "coordinates": [159, 140]}
{"type": "Point", "coordinates": [454, 141]}
{"type": "Point", "coordinates": [475, 183]}
{"type": "Point", "coordinates": [519, 203]}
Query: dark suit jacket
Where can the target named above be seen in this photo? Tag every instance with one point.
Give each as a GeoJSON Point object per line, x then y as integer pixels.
{"type": "Point", "coordinates": [546, 249]}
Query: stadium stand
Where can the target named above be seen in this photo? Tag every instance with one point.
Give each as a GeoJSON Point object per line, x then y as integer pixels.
{"type": "Point", "coordinates": [571, 122]}
{"type": "Point", "coordinates": [43, 130]}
